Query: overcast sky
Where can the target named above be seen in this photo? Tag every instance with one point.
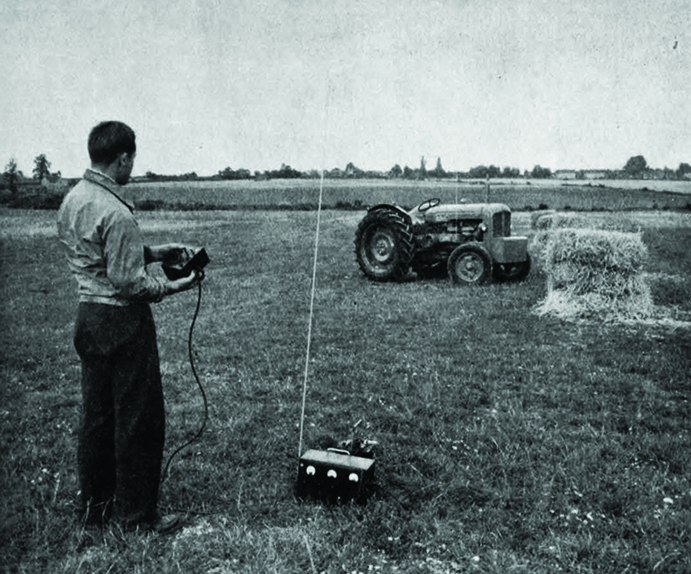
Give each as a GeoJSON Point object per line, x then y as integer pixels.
{"type": "Point", "coordinates": [254, 84]}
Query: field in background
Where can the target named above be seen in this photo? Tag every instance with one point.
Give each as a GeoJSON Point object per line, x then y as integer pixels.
{"type": "Point", "coordinates": [508, 442]}
{"type": "Point", "coordinates": [291, 194]}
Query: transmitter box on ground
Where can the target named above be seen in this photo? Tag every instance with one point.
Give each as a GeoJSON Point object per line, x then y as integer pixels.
{"type": "Point", "coordinates": [334, 475]}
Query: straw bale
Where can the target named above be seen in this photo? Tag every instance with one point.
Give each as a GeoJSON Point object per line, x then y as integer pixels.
{"type": "Point", "coordinates": [563, 304]}
{"type": "Point", "coordinates": [614, 239]}
{"type": "Point", "coordinates": [537, 248]}
{"type": "Point", "coordinates": [595, 273]}
{"type": "Point", "coordinates": [556, 220]}
{"type": "Point", "coordinates": [536, 216]}
{"type": "Point", "coordinates": [596, 249]}
{"type": "Point", "coordinates": [548, 223]}
{"type": "Point", "coordinates": [549, 220]}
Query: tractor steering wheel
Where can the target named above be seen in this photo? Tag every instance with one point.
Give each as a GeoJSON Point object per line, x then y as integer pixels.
{"type": "Point", "coordinates": [425, 205]}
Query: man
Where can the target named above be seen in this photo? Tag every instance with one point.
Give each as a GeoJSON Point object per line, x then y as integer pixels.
{"type": "Point", "coordinates": [123, 422]}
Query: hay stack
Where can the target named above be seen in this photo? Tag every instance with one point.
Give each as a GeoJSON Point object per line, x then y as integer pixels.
{"type": "Point", "coordinates": [595, 273]}
{"type": "Point", "coordinates": [536, 216]}
{"type": "Point", "coordinates": [556, 220]}
{"type": "Point", "coordinates": [549, 222]}
{"type": "Point", "coordinates": [545, 225]}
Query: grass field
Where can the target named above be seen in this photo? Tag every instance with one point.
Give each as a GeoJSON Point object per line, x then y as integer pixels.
{"type": "Point", "coordinates": [303, 194]}
{"type": "Point", "coordinates": [517, 194]}
{"type": "Point", "coordinates": [509, 442]}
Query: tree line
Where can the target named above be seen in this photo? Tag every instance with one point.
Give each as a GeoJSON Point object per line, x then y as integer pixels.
{"type": "Point", "coordinates": [41, 172]}
{"type": "Point", "coordinates": [351, 171]}
{"type": "Point", "coordinates": [635, 168]}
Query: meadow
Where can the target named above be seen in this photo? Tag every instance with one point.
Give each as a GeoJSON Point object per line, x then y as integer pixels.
{"type": "Point", "coordinates": [508, 442]}
{"type": "Point", "coordinates": [520, 195]}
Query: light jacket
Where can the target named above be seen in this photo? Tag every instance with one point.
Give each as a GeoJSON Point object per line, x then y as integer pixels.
{"type": "Point", "coordinates": [103, 244]}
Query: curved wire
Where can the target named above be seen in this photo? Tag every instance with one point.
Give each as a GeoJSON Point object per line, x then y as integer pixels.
{"type": "Point", "coordinates": [199, 384]}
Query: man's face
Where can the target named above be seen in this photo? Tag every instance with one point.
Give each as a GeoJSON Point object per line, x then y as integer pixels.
{"type": "Point", "coordinates": [125, 165]}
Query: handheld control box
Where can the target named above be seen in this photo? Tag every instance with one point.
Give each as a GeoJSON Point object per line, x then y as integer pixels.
{"type": "Point", "coordinates": [195, 264]}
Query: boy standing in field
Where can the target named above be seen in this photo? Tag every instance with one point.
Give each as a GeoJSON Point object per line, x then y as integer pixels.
{"type": "Point", "coordinates": [123, 421]}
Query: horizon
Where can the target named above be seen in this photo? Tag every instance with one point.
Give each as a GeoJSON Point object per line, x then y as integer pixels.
{"type": "Point", "coordinates": [521, 172]}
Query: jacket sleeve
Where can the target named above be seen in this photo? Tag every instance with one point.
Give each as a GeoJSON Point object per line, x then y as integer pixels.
{"type": "Point", "coordinates": [125, 265]}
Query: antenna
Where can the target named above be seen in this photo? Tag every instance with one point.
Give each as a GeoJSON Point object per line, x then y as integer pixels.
{"type": "Point", "coordinates": [314, 276]}
{"type": "Point", "coordinates": [311, 316]}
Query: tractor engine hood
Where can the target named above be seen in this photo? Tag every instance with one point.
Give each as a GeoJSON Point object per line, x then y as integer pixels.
{"type": "Point", "coordinates": [442, 213]}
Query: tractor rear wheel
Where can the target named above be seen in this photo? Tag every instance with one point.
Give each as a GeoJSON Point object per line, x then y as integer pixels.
{"type": "Point", "coordinates": [384, 245]}
{"type": "Point", "coordinates": [469, 264]}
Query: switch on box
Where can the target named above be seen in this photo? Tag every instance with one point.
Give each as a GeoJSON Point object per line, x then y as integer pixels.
{"type": "Point", "coordinates": [334, 475]}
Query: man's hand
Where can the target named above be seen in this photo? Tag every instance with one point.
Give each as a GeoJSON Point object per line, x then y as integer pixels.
{"type": "Point", "coordinates": [183, 284]}
{"type": "Point", "coordinates": [169, 253]}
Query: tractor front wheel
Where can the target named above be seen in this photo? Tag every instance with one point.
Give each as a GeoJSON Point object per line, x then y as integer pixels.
{"type": "Point", "coordinates": [469, 264]}
{"type": "Point", "coordinates": [384, 245]}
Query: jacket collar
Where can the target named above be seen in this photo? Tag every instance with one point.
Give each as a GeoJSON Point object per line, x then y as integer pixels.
{"type": "Point", "coordinates": [108, 183]}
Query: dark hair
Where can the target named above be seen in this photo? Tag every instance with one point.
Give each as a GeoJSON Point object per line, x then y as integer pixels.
{"type": "Point", "coordinates": [108, 140]}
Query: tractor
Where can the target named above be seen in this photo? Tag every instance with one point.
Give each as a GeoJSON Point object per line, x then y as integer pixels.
{"type": "Point", "coordinates": [471, 243]}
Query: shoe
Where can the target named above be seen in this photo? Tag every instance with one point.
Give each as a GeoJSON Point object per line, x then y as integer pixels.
{"type": "Point", "coordinates": [166, 524]}
{"type": "Point", "coordinates": [160, 525]}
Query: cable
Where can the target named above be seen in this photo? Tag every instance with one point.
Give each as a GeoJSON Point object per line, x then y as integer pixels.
{"type": "Point", "coordinates": [199, 384]}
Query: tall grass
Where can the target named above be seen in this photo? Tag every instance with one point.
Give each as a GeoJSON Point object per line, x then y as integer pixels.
{"type": "Point", "coordinates": [508, 442]}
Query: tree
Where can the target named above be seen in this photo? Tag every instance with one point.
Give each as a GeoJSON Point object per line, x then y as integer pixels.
{"type": "Point", "coordinates": [636, 166]}
{"type": "Point", "coordinates": [423, 168]}
{"type": "Point", "coordinates": [478, 172]}
{"type": "Point", "coordinates": [351, 170]}
{"type": "Point", "coordinates": [396, 171]}
{"type": "Point", "coordinates": [228, 173]}
{"type": "Point", "coordinates": [41, 167]}
{"type": "Point", "coordinates": [684, 170]}
{"type": "Point", "coordinates": [493, 172]}
{"type": "Point", "coordinates": [438, 170]}
{"type": "Point", "coordinates": [11, 175]}
{"type": "Point", "coordinates": [286, 172]}
{"type": "Point", "coordinates": [540, 172]}
{"type": "Point", "coordinates": [510, 172]}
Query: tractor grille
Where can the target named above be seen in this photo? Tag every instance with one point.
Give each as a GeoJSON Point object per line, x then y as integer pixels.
{"type": "Point", "coordinates": [501, 224]}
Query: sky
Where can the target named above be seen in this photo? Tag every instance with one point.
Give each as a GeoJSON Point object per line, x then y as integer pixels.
{"type": "Point", "coordinates": [316, 84]}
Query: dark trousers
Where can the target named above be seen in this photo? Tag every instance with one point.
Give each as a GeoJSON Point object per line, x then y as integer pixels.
{"type": "Point", "coordinates": [123, 419]}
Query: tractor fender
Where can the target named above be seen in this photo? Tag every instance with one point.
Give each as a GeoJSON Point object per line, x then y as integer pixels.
{"type": "Point", "coordinates": [390, 207]}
